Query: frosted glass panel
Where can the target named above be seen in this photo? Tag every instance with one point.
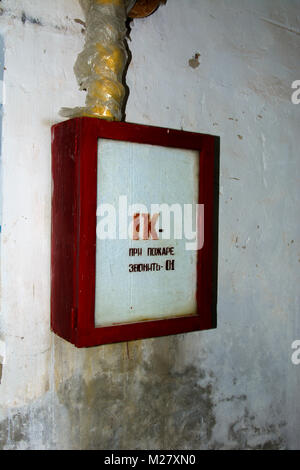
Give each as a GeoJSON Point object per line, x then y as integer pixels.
{"type": "Point", "coordinates": [143, 279]}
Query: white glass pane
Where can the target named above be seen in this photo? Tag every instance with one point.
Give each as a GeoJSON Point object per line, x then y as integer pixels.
{"type": "Point", "coordinates": [159, 283]}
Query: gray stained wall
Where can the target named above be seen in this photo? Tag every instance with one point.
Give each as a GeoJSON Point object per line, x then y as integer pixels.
{"type": "Point", "coordinates": [219, 67]}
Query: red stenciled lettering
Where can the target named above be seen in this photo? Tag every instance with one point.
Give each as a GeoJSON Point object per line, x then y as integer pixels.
{"type": "Point", "coordinates": [149, 223]}
{"type": "Point", "coordinates": [149, 226]}
{"type": "Point", "coordinates": [136, 226]}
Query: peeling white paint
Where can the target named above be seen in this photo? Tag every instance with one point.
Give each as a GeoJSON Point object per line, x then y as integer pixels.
{"type": "Point", "coordinates": [240, 91]}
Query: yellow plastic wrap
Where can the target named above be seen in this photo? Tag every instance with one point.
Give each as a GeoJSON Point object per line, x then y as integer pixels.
{"type": "Point", "coordinates": [99, 67]}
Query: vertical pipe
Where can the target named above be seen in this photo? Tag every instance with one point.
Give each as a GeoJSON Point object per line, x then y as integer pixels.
{"type": "Point", "coordinates": [99, 67]}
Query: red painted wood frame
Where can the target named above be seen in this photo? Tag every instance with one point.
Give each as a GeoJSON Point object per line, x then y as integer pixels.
{"type": "Point", "coordinates": [73, 255]}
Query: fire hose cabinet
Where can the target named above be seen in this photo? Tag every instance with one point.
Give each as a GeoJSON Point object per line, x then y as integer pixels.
{"type": "Point", "coordinates": [134, 231]}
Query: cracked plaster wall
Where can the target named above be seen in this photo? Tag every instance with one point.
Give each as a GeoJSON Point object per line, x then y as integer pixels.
{"type": "Point", "coordinates": [212, 66]}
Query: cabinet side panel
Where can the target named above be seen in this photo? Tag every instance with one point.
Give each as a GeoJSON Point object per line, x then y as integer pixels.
{"type": "Point", "coordinates": [63, 229]}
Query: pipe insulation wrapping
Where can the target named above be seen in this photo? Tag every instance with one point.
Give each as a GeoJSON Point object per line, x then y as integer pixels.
{"type": "Point", "coordinates": [100, 66]}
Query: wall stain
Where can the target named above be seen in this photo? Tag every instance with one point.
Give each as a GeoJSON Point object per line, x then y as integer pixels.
{"type": "Point", "coordinates": [234, 397]}
{"type": "Point", "coordinates": [194, 61]}
{"type": "Point", "coordinates": [103, 399]}
{"type": "Point", "coordinates": [141, 402]}
{"type": "Point", "coordinates": [244, 430]}
{"type": "Point", "coordinates": [30, 19]}
{"type": "Point", "coordinates": [15, 433]}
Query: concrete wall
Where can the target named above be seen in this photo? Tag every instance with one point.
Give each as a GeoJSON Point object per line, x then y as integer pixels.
{"type": "Point", "coordinates": [231, 388]}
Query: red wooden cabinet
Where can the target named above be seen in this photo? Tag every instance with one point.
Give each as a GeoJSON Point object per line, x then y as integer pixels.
{"type": "Point", "coordinates": [105, 292]}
